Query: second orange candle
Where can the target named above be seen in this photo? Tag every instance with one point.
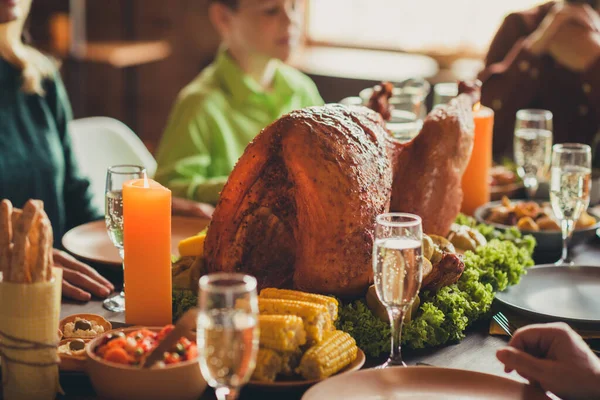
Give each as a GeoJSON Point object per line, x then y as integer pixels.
{"type": "Point", "coordinates": [475, 181]}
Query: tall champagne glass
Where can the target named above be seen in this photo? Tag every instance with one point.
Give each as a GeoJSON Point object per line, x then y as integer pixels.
{"type": "Point", "coordinates": [398, 270]}
{"type": "Point", "coordinates": [570, 188]}
{"type": "Point", "coordinates": [113, 216]}
{"type": "Point", "coordinates": [227, 331]}
{"type": "Point", "coordinates": [533, 147]}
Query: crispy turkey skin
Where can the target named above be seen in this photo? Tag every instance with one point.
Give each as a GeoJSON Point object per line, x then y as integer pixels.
{"type": "Point", "coordinates": [299, 207]}
{"type": "Point", "coordinates": [298, 210]}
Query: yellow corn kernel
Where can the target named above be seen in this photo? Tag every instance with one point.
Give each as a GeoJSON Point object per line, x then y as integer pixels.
{"type": "Point", "coordinates": [192, 246]}
{"type": "Point", "coordinates": [329, 302]}
{"type": "Point", "coordinates": [336, 351]}
{"type": "Point", "coordinates": [315, 316]}
{"type": "Point", "coordinates": [268, 365]}
{"type": "Point", "coordinates": [281, 332]}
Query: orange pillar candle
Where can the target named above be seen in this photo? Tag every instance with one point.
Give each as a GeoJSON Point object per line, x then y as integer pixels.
{"type": "Point", "coordinates": [147, 245]}
{"type": "Point", "coordinates": [475, 181]}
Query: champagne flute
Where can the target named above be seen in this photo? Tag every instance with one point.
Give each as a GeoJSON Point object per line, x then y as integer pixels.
{"type": "Point", "coordinates": [398, 270]}
{"type": "Point", "coordinates": [116, 176]}
{"type": "Point", "coordinates": [533, 147]}
{"type": "Point", "coordinates": [570, 188]}
{"type": "Point", "coordinates": [227, 331]}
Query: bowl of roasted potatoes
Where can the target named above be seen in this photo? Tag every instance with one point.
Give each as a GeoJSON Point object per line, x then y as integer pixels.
{"type": "Point", "coordinates": [536, 218]}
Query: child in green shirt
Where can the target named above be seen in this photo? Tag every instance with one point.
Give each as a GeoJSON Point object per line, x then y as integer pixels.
{"type": "Point", "coordinates": [246, 88]}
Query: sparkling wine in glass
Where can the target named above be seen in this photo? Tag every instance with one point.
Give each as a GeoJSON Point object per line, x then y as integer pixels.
{"type": "Point", "coordinates": [227, 331]}
{"type": "Point", "coordinates": [398, 271]}
{"type": "Point", "coordinates": [533, 147]}
{"type": "Point", "coordinates": [570, 188]}
{"type": "Point", "coordinates": [113, 216]}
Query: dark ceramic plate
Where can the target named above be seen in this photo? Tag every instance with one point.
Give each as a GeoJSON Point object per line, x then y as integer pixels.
{"type": "Point", "coordinates": [567, 294]}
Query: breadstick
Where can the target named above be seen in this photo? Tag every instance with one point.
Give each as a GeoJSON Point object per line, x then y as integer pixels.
{"type": "Point", "coordinates": [45, 251]}
{"type": "Point", "coordinates": [43, 263]}
{"type": "Point", "coordinates": [33, 238]}
{"type": "Point", "coordinates": [5, 237]}
{"type": "Point", "coordinates": [16, 214]}
{"type": "Point", "coordinates": [49, 251]}
{"type": "Point", "coordinates": [20, 263]}
{"type": "Point", "coordinates": [37, 250]}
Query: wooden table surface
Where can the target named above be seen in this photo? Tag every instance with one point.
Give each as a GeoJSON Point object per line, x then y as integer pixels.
{"type": "Point", "coordinates": [476, 352]}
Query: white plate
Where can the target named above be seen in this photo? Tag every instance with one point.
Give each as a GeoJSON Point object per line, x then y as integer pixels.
{"type": "Point", "coordinates": [91, 242]}
{"type": "Point", "coordinates": [421, 383]}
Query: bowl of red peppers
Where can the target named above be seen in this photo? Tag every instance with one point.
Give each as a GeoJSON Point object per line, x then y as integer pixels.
{"type": "Point", "coordinates": [114, 366]}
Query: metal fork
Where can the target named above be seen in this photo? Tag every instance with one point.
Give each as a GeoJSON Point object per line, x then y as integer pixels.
{"type": "Point", "coordinates": [504, 323]}
{"type": "Point", "coordinates": [509, 328]}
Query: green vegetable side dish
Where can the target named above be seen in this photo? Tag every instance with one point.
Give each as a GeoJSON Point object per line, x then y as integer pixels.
{"type": "Point", "coordinates": [444, 316]}
{"type": "Point", "coordinates": [183, 300]}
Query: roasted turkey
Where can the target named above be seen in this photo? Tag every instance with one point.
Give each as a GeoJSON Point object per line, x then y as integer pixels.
{"type": "Point", "coordinates": [298, 210]}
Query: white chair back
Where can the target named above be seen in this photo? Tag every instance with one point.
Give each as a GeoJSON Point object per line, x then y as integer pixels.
{"type": "Point", "coordinates": [100, 142]}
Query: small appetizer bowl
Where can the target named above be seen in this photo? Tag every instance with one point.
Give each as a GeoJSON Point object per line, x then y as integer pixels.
{"type": "Point", "coordinates": [70, 329]}
{"type": "Point", "coordinates": [112, 381]}
{"type": "Point", "coordinates": [72, 359]}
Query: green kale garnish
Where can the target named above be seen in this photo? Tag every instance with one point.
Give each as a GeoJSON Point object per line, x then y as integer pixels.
{"type": "Point", "coordinates": [443, 316]}
{"type": "Point", "coordinates": [183, 300]}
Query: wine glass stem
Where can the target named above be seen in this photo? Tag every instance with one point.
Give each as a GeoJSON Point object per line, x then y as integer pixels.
{"type": "Point", "coordinates": [122, 254]}
{"type": "Point", "coordinates": [567, 232]}
{"type": "Point", "coordinates": [396, 315]}
{"type": "Point", "coordinates": [226, 393]}
{"type": "Point", "coordinates": [531, 184]}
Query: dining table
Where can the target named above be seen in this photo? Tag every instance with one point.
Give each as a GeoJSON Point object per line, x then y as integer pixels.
{"type": "Point", "coordinates": [476, 352]}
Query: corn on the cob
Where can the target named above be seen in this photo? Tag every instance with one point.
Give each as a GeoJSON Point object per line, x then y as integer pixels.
{"type": "Point", "coordinates": [281, 332]}
{"type": "Point", "coordinates": [291, 360]}
{"type": "Point", "coordinates": [315, 316]}
{"type": "Point", "coordinates": [329, 302]}
{"type": "Point", "coordinates": [337, 350]}
{"type": "Point", "coordinates": [268, 365]}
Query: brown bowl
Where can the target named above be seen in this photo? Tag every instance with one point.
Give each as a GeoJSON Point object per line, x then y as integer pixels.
{"type": "Point", "coordinates": [111, 381]}
{"type": "Point", "coordinates": [69, 362]}
{"type": "Point", "coordinates": [90, 317]}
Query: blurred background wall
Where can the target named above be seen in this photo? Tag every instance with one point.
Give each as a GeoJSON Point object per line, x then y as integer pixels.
{"type": "Point", "coordinates": [140, 53]}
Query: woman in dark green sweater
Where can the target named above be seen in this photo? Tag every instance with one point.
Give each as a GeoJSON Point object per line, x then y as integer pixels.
{"type": "Point", "coordinates": [36, 160]}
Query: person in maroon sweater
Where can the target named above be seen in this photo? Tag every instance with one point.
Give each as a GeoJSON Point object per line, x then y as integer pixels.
{"type": "Point", "coordinates": [547, 57]}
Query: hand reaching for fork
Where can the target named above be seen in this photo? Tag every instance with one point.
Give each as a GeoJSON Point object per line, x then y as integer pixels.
{"type": "Point", "coordinates": [555, 357]}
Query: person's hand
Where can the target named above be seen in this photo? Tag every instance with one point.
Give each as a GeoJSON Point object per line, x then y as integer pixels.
{"type": "Point", "coordinates": [80, 281]}
{"type": "Point", "coordinates": [556, 358]}
{"type": "Point", "coordinates": [582, 15]}
{"type": "Point", "coordinates": [575, 47]}
{"type": "Point", "coordinates": [190, 208]}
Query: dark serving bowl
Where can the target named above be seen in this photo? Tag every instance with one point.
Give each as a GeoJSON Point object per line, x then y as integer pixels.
{"type": "Point", "coordinates": [512, 190]}
{"type": "Point", "coordinates": [548, 242]}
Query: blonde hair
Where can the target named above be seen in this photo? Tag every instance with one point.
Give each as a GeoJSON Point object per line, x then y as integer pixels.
{"type": "Point", "coordinates": [34, 66]}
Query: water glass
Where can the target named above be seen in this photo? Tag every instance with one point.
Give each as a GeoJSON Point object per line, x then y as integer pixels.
{"type": "Point", "coordinates": [116, 176]}
{"type": "Point", "coordinates": [227, 331]}
{"type": "Point", "coordinates": [444, 92]}
{"type": "Point", "coordinates": [533, 147]}
{"type": "Point", "coordinates": [406, 117]}
{"type": "Point", "coordinates": [398, 271]}
{"type": "Point", "coordinates": [570, 188]}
